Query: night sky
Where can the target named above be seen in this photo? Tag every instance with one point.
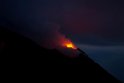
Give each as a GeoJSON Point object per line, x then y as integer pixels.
{"type": "Point", "coordinates": [96, 26]}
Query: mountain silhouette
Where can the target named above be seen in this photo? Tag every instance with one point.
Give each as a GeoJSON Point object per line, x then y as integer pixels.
{"type": "Point", "coordinates": [22, 53]}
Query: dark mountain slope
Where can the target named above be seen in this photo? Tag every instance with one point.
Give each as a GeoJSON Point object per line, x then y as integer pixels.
{"type": "Point", "coordinates": [22, 53]}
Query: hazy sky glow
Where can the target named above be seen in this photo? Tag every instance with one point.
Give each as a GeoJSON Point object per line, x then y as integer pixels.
{"type": "Point", "coordinates": [110, 57]}
{"type": "Point", "coordinates": [97, 26]}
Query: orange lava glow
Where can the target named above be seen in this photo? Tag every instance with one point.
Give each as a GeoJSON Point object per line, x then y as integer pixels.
{"type": "Point", "coordinates": [69, 44]}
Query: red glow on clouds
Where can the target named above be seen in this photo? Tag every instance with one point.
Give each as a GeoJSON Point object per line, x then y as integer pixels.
{"type": "Point", "coordinates": [80, 20]}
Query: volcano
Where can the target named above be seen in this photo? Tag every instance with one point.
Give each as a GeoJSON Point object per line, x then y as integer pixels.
{"type": "Point", "coordinates": [17, 51]}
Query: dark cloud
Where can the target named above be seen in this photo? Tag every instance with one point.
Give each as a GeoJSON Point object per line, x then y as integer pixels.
{"type": "Point", "coordinates": [89, 21]}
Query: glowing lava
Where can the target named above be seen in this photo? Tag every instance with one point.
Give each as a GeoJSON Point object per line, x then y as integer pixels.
{"type": "Point", "coordinates": [69, 44]}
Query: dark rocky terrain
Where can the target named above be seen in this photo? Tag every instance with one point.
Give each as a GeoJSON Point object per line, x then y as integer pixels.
{"type": "Point", "coordinates": [21, 54]}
